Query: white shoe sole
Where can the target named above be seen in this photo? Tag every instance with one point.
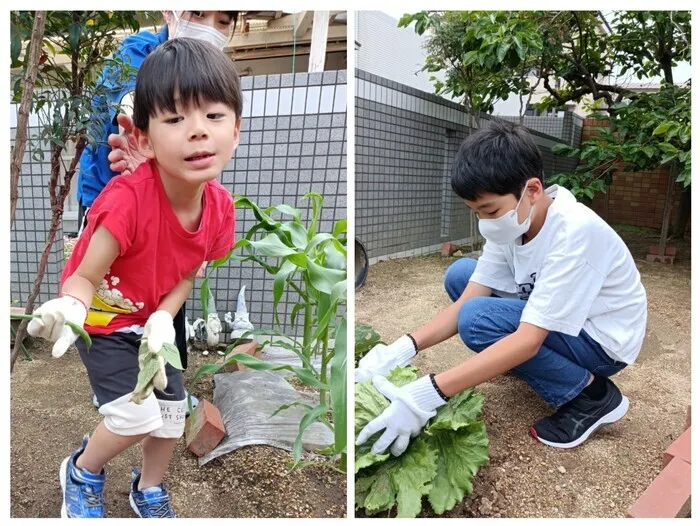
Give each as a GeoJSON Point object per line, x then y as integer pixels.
{"type": "Point", "coordinates": [133, 505]}
{"type": "Point", "coordinates": [62, 479]}
{"type": "Point", "coordinates": [610, 418]}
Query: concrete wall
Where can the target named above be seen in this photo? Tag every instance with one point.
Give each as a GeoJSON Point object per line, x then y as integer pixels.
{"type": "Point", "coordinates": [406, 140]}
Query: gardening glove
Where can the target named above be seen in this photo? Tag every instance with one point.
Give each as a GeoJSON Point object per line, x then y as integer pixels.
{"type": "Point", "coordinates": [54, 313]}
{"type": "Point", "coordinates": [383, 358]}
{"type": "Point", "coordinates": [411, 407]}
{"type": "Point", "coordinates": [159, 330]}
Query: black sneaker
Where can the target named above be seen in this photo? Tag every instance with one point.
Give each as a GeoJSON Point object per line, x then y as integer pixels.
{"type": "Point", "coordinates": [574, 422]}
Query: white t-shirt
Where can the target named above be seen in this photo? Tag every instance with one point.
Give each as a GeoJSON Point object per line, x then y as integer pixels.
{"type": "Point", "coordinates": [576, 273]}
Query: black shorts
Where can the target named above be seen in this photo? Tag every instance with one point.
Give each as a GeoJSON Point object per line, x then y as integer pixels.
{"type": "Point", "coordinates": [112, 365]}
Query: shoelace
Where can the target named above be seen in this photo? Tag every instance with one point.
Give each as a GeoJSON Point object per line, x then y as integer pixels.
{"type": "Point", "coordinates": [160, 509]}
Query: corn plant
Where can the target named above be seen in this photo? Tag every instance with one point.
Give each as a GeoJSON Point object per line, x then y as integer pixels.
{"type": "Point", "coordinates": [311, 264]}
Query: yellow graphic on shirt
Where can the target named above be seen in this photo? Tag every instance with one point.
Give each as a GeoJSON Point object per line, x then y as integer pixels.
{"type": "Point", "coordinates": [107, 303]}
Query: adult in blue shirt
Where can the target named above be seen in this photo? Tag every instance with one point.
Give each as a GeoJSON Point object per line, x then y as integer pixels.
{"type": "Point", "coordinates": [115, 150]}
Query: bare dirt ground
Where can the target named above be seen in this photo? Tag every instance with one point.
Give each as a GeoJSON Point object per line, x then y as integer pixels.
{"type": "Point", "coordinates": [51, 410]}
{"type": "Point", "coordinates": [525, 478]}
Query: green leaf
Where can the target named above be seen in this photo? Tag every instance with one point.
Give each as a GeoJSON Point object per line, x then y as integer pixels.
{"type": "Point", "coordinates": [308, 419]}
{"type": "Point", "coordinates": [148, 369]}
{"type": "Point", "coordinates": [462, 410]}
{"type": "Point", "coordinates": [316, 204]}
{"type": "Point", "coordinates": [297, 234]}
{"type": "Point", "coordinates": [403, 480]}
{"type": "Point", "coordinates": [285, 209]}
{"type": "Point", "coordinates": [271, 246]}
{"type": "Point", "coordinates": [324, 279]}
{"type": "Point", "coordinates": [205, 297]}
{"type": "Point", "coordinates": [663, 128]}
{"type": "Point", "coordinates": [460, 454]}
{"type": "Point", "coordinates": [339, 387]}
{"type": "Point", "coordinates": [287, 406]}
{"type": "Point", "coordinates": [283, 274]}
{"type": "Point", "coordinates": [222, 261]}
{"type": "Point", "coordinates": [172, 355]}
{"type": "Point", "coordinates": [340, 227]}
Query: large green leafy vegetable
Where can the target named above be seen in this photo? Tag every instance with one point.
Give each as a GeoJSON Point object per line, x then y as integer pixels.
{"type": "Point", "coordinates": [440, 463]}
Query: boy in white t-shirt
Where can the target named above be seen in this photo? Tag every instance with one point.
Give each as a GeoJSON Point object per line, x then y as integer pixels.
{"type": "Point", "coordinates": [555, 298]}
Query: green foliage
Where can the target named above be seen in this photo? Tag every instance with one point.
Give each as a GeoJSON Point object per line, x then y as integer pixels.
{"type": "Point", "coordinates": [647, 131]}
{"type": "Point", "coordinates": [365, 338]}
{"type": "Point", "coordinates": [313, 265]}
{"type": "Point", "coordinates": [77, 46]}
{"type": "Point", "coordinates": [487, 55]}
{"type": "Point", "coordinates": [440, 463]}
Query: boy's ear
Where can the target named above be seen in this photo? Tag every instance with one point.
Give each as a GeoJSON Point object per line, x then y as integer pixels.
{"type": "Point", "coordinates": [143, 141]}
{"type": "Point", "coordinates": [237, 134]}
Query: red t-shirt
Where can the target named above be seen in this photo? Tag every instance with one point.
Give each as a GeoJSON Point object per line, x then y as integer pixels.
{"type": "Point", "coordinates": [155, 251]}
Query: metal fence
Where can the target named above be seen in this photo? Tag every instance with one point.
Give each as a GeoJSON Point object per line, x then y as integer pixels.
{"type": "Point", "coordinates": [405, 142]}
{"type": "Point", "coordinates": [293, 141]}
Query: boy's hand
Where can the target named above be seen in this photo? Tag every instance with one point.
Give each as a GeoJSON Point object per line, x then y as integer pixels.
{"type": "Point", "coordinates": [411, 407]}
{"type": "Point", "coordinates": [158, 330]}
{"type": "Point", "coordinates": [54, 313]}
{"type": "Point", "coordinates": [383, 358]}
{"type": "Point", "coordinates": [125, 155]}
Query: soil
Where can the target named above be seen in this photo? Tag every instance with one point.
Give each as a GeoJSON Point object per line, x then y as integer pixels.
{"type": "Point", "coordinates": [51, 411]}
{"type": "Point", "coordinates": [524, 478]}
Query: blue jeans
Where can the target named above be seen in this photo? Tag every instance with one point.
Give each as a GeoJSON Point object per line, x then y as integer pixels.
{"type": "Point", "coordinates": [562, 366]}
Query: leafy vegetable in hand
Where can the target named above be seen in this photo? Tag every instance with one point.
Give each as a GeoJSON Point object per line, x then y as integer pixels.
{"type": "Point", "coordinates": [440, 463]}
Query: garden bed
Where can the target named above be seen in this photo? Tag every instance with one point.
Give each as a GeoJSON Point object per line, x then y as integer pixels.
{"type": "Point", "coordinates": [525, 478]}
{"type": "Point", "coordinates": [51, 410]}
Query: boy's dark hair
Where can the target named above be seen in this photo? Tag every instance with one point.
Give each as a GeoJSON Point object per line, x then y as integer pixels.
{"type": "Point", "coordinates": [498, 159]}
{"type": "Point", "coordinates": [195, 70]}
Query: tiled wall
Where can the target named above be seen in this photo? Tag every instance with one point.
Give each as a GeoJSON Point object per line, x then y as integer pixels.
{"type": "Point", "coordinates": [293, 141]}
{"type": "Point", "coordinates": [406, 140]}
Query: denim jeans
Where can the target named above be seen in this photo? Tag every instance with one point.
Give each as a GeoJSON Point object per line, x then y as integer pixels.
{"type": "Point", "coordinates": [562, 366]}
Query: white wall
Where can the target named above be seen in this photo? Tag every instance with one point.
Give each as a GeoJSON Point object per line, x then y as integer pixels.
{"type": "Point", "coordinates": [391, 52]}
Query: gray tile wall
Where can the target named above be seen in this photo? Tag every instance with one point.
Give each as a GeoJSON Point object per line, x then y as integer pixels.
{"type": "Point", "coordinates": [293, 141]}
{"type": "Point", "coordinates": [406, 140]}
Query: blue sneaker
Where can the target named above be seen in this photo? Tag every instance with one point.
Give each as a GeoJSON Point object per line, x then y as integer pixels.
{"type": "Point", "coordinates": [151, 505]}
{"type": "Point", "coordinates": [82, 490]}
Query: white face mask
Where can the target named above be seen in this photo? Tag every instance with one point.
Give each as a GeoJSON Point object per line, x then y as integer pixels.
{"type": "Point", "coordinates": [506, 228]}
{"type": "Point", "coordinates": [184, 29]}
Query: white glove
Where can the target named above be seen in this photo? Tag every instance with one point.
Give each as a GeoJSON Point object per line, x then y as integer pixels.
{"type": "Point", "coordinates": [159, 330]}
{"type": "Point", "coordinates": [411, 407]}
{"type": "Point", "coordinates": [52, 326]}
{"type": "Point", "coordinates": [383, 358]}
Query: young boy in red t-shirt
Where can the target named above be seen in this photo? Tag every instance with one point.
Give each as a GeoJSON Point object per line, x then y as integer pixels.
{"type": "Point", "coordinates": [134, 266]}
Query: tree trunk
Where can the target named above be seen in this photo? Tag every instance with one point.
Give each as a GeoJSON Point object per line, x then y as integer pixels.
{"type": "Point", "coordinates": [24, 108]}
{"type": "Point", "coordinates": [683, 215]}
{"type": "Point", "coordinates": [667, 209]}
{"type": "Point", "coordinates": [57, 214]}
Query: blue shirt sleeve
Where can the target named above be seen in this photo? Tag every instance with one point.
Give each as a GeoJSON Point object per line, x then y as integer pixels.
{"type": "Point", "coordinates": [113, 84]}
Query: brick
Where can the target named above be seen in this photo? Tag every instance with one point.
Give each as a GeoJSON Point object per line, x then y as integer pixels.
{"type": "Point", "coordinates": [668, 496]}
{"type": "Point", "coordinates": [251, 348]}
{"type": "Point", "coordinates": [204, 429]}
{"type": "Point", "coordinates": [448, 249]}
{"type": "Point", "coordinates": [679, 448]}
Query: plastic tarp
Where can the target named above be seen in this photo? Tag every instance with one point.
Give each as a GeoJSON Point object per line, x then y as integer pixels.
{"type": "Point", "coordinates": [247, 398]}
